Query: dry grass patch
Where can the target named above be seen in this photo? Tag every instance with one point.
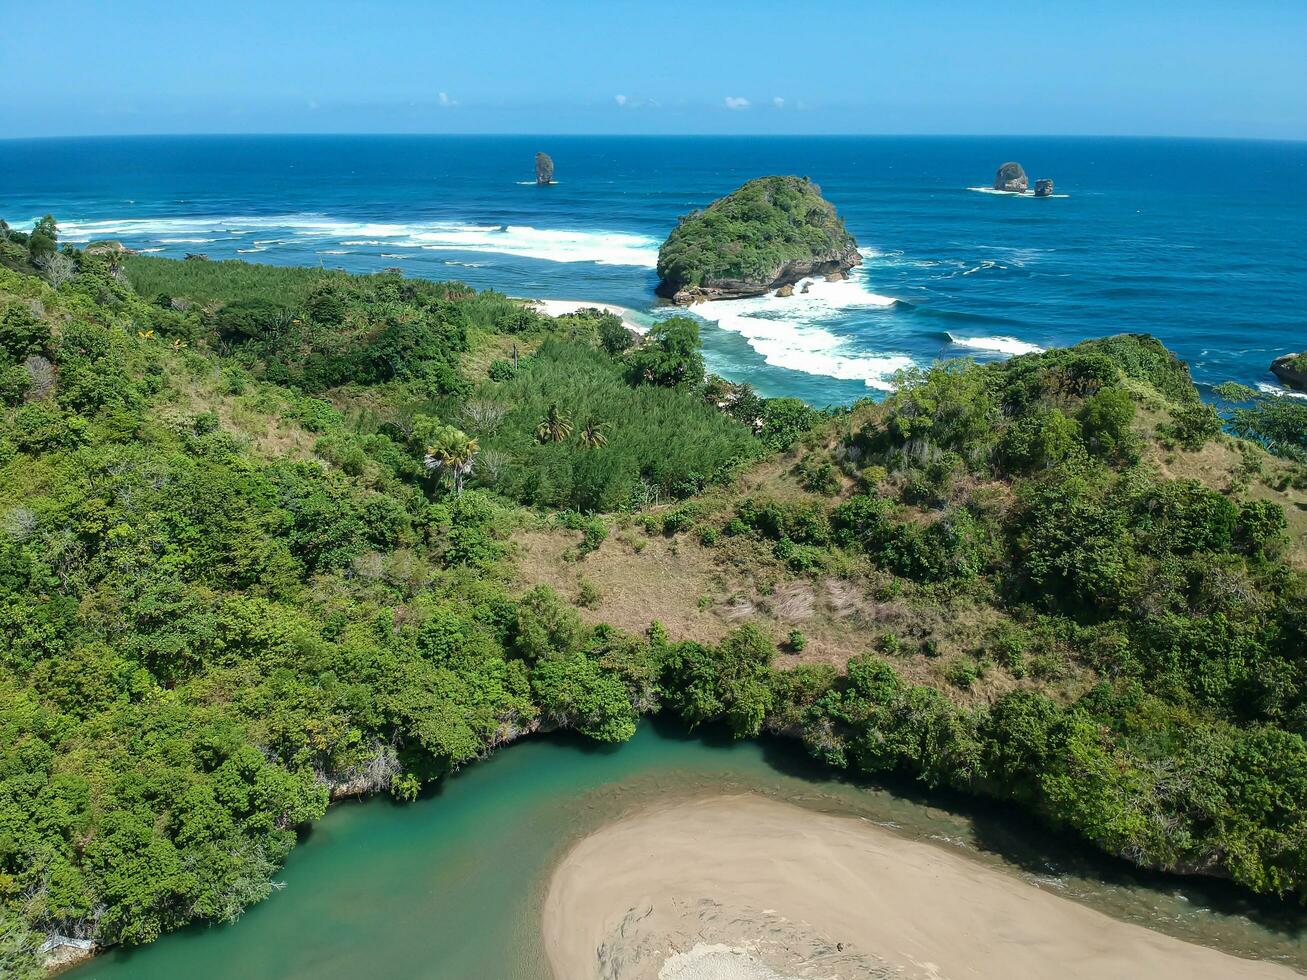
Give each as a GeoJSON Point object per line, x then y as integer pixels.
{"type": "Point", "coordinates": [255, 414]}
{"type": "Point", "coordinates": [662, 581]}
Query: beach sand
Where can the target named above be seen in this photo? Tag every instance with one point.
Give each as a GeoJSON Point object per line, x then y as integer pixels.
{"type": "Point", "coordinates": [561, 307]}
{"type": "Point", "coordinates": [747, 888]}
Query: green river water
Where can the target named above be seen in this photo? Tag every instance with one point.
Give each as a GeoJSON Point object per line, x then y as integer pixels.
{"type": "Point", "coordinates": [451, 886]}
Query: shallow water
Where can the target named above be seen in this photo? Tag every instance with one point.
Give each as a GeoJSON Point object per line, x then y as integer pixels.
{"type": "Point", "coordinates": [1200, 242]}
{"type": "Point", "coordinates": [450, 887]}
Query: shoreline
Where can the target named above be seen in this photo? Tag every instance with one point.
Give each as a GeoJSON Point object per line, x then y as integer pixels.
{"type": "Point", "coordinates": [748, 888]}
{"type": "Point", "coordinates": [562, 307]}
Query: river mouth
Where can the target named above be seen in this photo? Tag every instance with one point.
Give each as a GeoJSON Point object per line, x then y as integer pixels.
{"type": "Point", "coordinates": [453, 886]}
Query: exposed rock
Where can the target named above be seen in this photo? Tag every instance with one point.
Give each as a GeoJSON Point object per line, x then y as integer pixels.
{"type": "Point", "coordinates": [1291, 369]}
{"type": "Point", "coordinates": [544, 169]}
{"type": "Point", "coordinates": [786, 291]}
{"type": "Point", "coordinates": [794, 234]}
{"type": "Point", "coordinates": [1043, 188]}
{"type": "Point", "coordinates": [1011, 177]}
{"type": "Point", "coordinates": [806, 286]}
{"type": "Point", "coordinates": [60, 952]}
{"type": "Point", "coordinates": [837, 276]}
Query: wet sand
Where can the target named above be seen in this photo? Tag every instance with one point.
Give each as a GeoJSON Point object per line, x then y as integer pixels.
{"type": "Point", "coordinates": [746, 888]}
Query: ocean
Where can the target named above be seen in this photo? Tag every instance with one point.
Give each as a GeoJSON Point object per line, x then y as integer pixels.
{"type": "Point", "coordinates": [1202, 243]}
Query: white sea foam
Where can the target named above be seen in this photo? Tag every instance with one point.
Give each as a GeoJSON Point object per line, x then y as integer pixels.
{"type": "Point", "coordinates": [246, 251]}
{"type": "Point", "coordinates": [794, 332]}
{"type": "Point", "coordinates": [187, 241]}
{"type": "Point", "coordinates": [549, 244]}
{"type": "Point", "coordinates": [1000, 345]}
{"type": "Point", "coordinates": [1271, 389]}
{"type": "Point", "coordinates": [994, 190]}
{"type": "Point", "coordinates": [145, 251]}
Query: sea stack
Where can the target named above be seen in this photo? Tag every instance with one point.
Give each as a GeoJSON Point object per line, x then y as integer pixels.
{"type": "Point", "coordinates": [544, 169]}
{"type": "Point", "coordinates": [1044, 188]}
{"type": "Point", "coordinates": [767, 235]}
{"type": "Point", "coordinates": [1011, 177]}
{"type": "Point", "coordinates": [1291, 369]}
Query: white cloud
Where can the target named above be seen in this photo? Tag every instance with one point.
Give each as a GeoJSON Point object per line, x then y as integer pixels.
{"type": "Point", "coordinates": [737, 102]}
{"type": "Point", "coordinates": [778, 102]}
{"type": "Point", "coordinates": [446, 101]}
{"type": "Point", "coordinates": [620, 99]}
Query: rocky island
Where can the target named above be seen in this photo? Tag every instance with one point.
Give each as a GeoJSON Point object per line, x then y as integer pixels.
{"type": "Point", "coordinates": [1291, 369]}
{"type": "Point", "coordinates": [1011, 177]}
{"type": "Point", "coordinates": [544, 169]}
{"type": "Point", "coordinates": [767, 235]}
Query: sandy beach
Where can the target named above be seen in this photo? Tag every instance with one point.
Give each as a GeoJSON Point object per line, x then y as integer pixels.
{"type": "Point", "coordinates": [747, 888]}
{"type": "Point", "coordinates": [561, 307]}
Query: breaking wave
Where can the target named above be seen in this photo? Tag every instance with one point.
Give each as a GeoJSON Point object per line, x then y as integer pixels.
{"type": "Point", "coordinates": [548, 244]}
{"type": "Point", "coordinates": [795, 332]}
{"type": "Point", "coordinates": [1278, 390]}
{"type": "Point", "coordinates": [999, 345]}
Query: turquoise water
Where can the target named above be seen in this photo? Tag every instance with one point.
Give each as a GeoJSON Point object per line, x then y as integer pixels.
{"type": "Point", "coordinates": [450, 887]}
{"type": "Point", "coordinates": [1201, 242]}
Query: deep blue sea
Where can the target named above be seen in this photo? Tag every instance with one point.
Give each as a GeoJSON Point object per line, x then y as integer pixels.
{"type": "Point", "coordinates": [1202, 243]}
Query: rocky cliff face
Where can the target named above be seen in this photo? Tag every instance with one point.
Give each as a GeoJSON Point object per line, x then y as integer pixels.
{"type": "Point", "coordinates": [832, 266]}
{"type": "Point", "coordinates": [1291, 369]}
{"type": "Point", "coordinates": [544, 169]}
{"type": "Point", "coordinates": [767, 235]}
{"type": "Point", "coordinates": [1043, 188]}
{"type": "Point", "coordinates": [1011, 177]}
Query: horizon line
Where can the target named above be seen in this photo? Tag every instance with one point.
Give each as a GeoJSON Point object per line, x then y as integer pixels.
{"type": "Point", "coordinates": [594, 135]}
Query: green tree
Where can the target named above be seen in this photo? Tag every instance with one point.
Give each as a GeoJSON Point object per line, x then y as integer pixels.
{"type": "Point", "coordinates": [592, 434]}
{"type": "Point", "coordinates": [453, 452]}
{"type": "Point", "coordinates": [44, 238]}
{"type": "Point", "coordinates": [554, 427]}
{"type": "Point", "coordinates": [670, 355]}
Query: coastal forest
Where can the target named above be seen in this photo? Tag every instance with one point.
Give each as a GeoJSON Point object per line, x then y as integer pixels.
{"type": "Point", "coordinates": [271, 537]}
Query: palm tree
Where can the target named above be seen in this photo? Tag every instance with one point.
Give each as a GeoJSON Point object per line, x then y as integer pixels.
{"type": "Point", "coordinates": [554, 427]}
{"type": "Point", "coordinates": [592, 434]}
{"type": "Point", "coordinates": [453, 452]}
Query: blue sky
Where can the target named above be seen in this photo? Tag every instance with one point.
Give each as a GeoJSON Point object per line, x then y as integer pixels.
{"type": "Point", "coordinates": [1168, 67]}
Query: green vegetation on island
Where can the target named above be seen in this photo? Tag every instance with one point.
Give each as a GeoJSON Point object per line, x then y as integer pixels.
{"type": "Point", "coordinates": [770, 233]}
{"type": "Point", "coordinates": [263, 536]}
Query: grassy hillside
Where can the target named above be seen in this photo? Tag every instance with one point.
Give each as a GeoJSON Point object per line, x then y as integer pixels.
{"type": "Point", "coordinates": [269, 537]}
{"type": "Point", "coordinates": [1059, 582]}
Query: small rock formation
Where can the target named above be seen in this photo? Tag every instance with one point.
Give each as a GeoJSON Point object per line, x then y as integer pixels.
{"type": "Point", "coordinates": [1011, 177]}
{"type": "Point", "coordinates": [1291, 369]}
{"type": "Point", "coordinates": [544, 169]}
{"type": "Point", "coordinates": [108, 246]}
{"type": "Point", "coordinates": [763, 237]}
{"type": "Point", "coordinates": [1044, 188]}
